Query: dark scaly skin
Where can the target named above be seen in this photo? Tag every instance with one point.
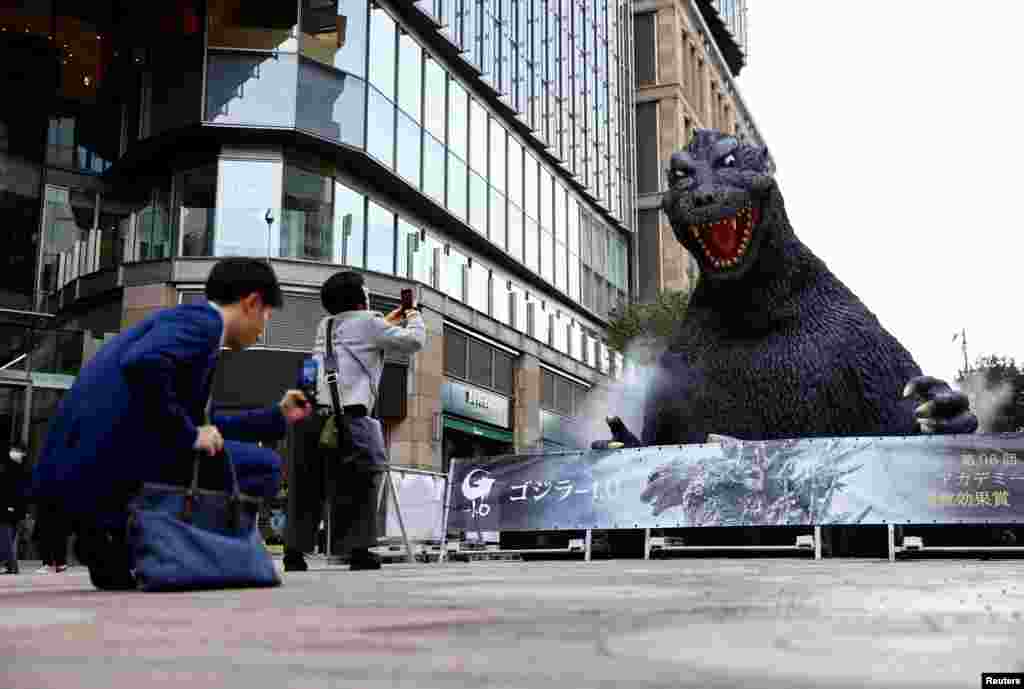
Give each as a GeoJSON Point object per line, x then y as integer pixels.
{"type": "Point", "coordinates": [775, 346]}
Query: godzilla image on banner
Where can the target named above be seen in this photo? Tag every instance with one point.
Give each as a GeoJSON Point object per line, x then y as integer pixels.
{"type": "Point", "coordinates": [965, 479]}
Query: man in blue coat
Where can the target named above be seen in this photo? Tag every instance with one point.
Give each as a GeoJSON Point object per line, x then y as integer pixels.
{"type": "Point", "coordinates": [138, 412]}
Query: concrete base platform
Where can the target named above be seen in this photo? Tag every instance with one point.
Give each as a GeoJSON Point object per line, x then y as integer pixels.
{"type": "Point", "coordinates": [557, 625]}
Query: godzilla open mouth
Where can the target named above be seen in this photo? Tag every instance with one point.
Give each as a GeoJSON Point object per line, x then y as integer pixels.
{"type": "Point", "coordinates": [725, 241]}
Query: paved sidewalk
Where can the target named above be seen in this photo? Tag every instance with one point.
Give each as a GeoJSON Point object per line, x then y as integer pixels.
{"type": "Point", "coordinates": [628, 623]}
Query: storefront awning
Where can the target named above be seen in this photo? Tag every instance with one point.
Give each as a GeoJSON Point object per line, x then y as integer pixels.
{"type": "Point", "coordinates": [478, 429]}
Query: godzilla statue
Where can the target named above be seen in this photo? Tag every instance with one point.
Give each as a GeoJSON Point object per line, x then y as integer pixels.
{"type": "Point", "coordinates": [773, 345]}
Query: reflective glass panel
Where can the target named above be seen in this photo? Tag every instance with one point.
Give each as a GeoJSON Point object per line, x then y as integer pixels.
{"type": "Point", "coordinates": [380, 239]}
{"type": "Point", "coordinates": [519, 302]}
{"type": "Point", "coordinates": [410, 76]}
{"type": "Point", "coordinates": [349, 218]}
{"type": "Point", "coordinates": [559, 221]}
{"type": "Point", "coordinates": [248, 189]}
{"type": "Point", "coordinates": [574, 277]}
{"type": "Point", "coordinates": [334, 33]}
{"type": "Point", "coordinates": [497, 211]}
{"type": "Point", "coordinates": [546, 210]}
{"type": "Point", "coordinates": [478, 142]}
{"type": "Point", "coordinates": [530, 186]}
{"type": "Point", "coordinates": [382, 52]}
{"type": "Point", "coordinates": [409, 146]}
{"type": "Point", "coordinates": [433, 168]}
{"type": "Point", "coordinates": [547, 258]}
{"type": "Point", "coordinates": [560, 338]}
{"type": "Point", "coordinates": [515, 232]}
{"type": "Point", "coordinates": [560, 267]}
{"type": "Point", "coordinates": [380, 130]}
{"type": "Point", "coordinates": [408, 242]}
{"type": "Point", "coordinates": [307, 222]}
{"type": "Point", "coordinates": [478, 203]}
{"type": "Point", "coordinates": [479, 287]}
{"type": "Point", "coordinates": [331, 104]}
{"type": "Point", "coordinates": [453, 277]}
{"type": "Point", "coordinates": [531, 245]}
{"type": "Point", "coordinates": [541, 321]}
{"type": "Point", "coordinates": [197, 204]}
{"type": "Point", "coordinates": [500, 310]}
{"type": "Point", "coordinates": [498, 136]}
{"type": "Point", "coordinates": [456, 186]}
{"type": "Point", "coordinates": [251, 88]}
{"type": "Point", "coordinates": [515, 172]}
{"type": "Point", "coordinates": [458, 118]}
{"type": "Point", "coordinates": [424, 252]}
{"type": "Point", "coordinates": [434, 99]}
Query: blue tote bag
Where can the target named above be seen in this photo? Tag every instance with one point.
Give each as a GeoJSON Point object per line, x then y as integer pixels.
{"type": "Point", "coordinates": [188, 538]}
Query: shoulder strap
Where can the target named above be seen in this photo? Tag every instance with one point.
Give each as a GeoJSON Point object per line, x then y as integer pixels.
{"type": "Point", "coordinates": [330, 365]}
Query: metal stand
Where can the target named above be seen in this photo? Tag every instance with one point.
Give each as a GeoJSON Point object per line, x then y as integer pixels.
{"type": "Point", "coordinates": [647, 544]}
{"type": "Point", "coordinates": [443, 555]}
{"type": "Point", "coordinates": [389, 486]}
{"type": "Point", "coordinates": [891, 529]}
{"type": "Point", "coordinates": [586, 551]}
{"type": "Point", "coordinates": [817, 542]}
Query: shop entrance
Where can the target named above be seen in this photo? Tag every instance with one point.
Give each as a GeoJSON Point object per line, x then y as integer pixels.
{"type": "Point", "coordinates": [467, 439]}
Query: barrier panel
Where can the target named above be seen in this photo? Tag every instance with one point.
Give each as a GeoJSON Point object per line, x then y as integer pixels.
{"type": "Point", "coordinates": [421, 496]}
{"type": "Point", "coordinates": [961, 479]}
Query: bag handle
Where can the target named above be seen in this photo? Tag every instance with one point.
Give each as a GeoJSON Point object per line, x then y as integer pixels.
{"type": "Point", "coordinates": [330, 365]}
{"type": "Point", "coordinates": [234, 501]}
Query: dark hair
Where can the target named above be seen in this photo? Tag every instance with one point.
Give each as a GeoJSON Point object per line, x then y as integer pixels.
{"type": "Point", "coordinates": [343, 292]}
{"type": "Point", "coordinates": [234, 279]}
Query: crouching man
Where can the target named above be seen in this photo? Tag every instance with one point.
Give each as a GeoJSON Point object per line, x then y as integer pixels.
{"type": "Point", "coordinates": [137, 412]}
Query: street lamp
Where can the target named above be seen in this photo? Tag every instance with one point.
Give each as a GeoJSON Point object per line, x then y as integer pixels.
{"type": "Point", "coordinates": [269, 217]}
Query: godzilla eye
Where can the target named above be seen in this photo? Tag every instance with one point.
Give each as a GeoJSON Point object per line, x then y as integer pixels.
{"type": "Point", "coordinates": [729, 160]}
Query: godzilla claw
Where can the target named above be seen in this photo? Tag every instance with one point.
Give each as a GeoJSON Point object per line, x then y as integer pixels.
{"type": "Point", "coordinates": [621, 436]}
{"type": "Point", "coordinates": [941, 409]}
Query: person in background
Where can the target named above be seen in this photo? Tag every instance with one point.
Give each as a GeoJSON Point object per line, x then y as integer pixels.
{"type": "Point", "coordinates": [13, 487]}
{"type": "Point", "coordinates": [140, 410]}
{"type": "Point", "coordinates": [361, 338]}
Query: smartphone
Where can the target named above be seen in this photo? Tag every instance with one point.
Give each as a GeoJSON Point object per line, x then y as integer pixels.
{"type": "Point", "coordinates": [407, 300]}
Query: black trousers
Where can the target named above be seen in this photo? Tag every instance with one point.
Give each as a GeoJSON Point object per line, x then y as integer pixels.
{"type": "Point", "coordinates": [52, 531]}
{"type": "Point", "coordinates": [352, 488]}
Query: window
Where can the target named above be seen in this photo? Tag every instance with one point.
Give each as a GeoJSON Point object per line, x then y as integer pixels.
{"type": "Point", "coordinates": [252, 88]}
{"type": "Point", "coordinates": [458, 118]}
{"type": "Point", "coordinates": [530, 186]}
{"type": "Point", "coordinates": [477, 362]}
{"type": "Point", "coordinates": [478, 203]}
{"type": "Point", "coordinates": [546, 209]}
{"type": "Point", "coordinates": [433, 168]}
{"type": "Point", "coordinates": [644, 28]}
{"type": "Point", "coordinates": [408, 242]}
{"type": "Point", "coordinates": [515, 232]}
{"type": "Point", "coordinates": [497, 231]}
{"type": "Point", "coordinates": [198, 201]}
{"type": "Point", "coordinates": [515, 172]}
{"type": "Point", "coordinates": [423, 252]}
{"type": "Point", "coordinates": [500, 301]}
{"type": "Point", "coordinates": [648, 171]}
{"type": "Point", "coordinates": [331, 104]}
{"type": "Point", "coordinates": [479, 287]}
{"type": "Point", "coordinates": [335, 36]}
{"type": "Point", "coordinates": [382, 52]}
{"type": "Point", "coordinates": [408, 147]}
{"type": "Point", "coordinates": [531, 244]}
{"type": "Point", "coordinates": [456, 186]}
{"type": "Point", "coordinates": [380, 131]}
{"type": "Point", "coordinates": [380, 239]}
{"type": "Point", "coordinates": [306, 228]}
{"type": "Point", "coordinates": [349, 219]}
{"type": "Point", "coordinates": [410, 76]}
{"type": "Point", "coordinates": [478, 142]}
{"type": "Point", "coordinates": [648, 242]}
{"type": "Point", "coordinates": [434, 99]}
{"type": "Point", "coordinates": [453, 274]}
{"type": "Point", "coordinates": [498, 141]}
{"type": "Point", "coordinates": [561, 395]}
{"type": "Point", "coordinates": [248, 189]}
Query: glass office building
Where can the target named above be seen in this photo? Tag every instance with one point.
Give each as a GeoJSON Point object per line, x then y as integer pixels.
{"type": "Point", "coordinates": [481, 150]}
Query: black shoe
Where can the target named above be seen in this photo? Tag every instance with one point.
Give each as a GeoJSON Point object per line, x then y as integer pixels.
{"type": "Point", "coordinates": [363, 560]}
{"type": "Point", "coordinates": [294, 561]}
{"type": "Point", "coordinates": [108, 559]}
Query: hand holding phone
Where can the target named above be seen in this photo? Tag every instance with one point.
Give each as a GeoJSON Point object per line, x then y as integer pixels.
{"type": "Point", "coordinates": [407, 304]}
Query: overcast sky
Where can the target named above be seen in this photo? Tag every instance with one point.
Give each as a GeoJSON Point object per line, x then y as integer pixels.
{"type": "Point", "coordinates": [895, 129]}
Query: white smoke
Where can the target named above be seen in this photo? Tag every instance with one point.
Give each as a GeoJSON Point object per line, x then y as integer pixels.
{"type": "Point", "coordinates": [623, 398]}
{"type": "Point", "coordinates": [986, 400]}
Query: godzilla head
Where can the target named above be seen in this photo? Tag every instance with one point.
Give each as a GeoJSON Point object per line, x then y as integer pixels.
{"type": "Point", "coordinates": [719, 191]}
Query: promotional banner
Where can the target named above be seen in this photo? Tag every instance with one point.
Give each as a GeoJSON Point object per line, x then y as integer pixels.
{"type": "Point", "coordinates": [421, 497]}
{"type": "Point", "coordinates": [962, 479]}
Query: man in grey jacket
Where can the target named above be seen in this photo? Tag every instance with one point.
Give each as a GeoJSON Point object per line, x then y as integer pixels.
{"type": "Point", "coordinates": [360, 340]}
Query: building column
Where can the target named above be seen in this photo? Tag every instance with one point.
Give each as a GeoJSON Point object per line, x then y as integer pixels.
{"type": "Point", "coordinates": [526, 413]}
{"type": "Point", "coordinates": [413, 441]}
{"type": "Point", "coordinates": [141, 300]}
